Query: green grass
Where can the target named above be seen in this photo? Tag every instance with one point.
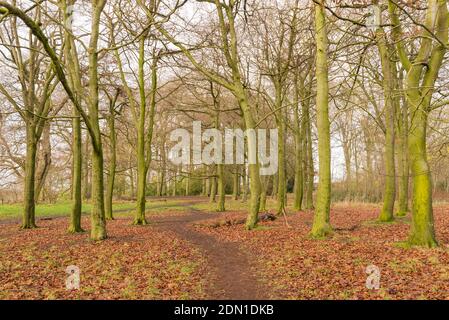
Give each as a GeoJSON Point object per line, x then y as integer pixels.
{"type": "Point", "coordinates": [60, 208]}
{"type": "Point", "coordinates": [163, 205]}
{"type": "Point", "coordinates": [63, 207]}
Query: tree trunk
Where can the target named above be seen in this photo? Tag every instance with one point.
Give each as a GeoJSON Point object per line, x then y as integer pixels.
{"type": "Point", "coordinates": [274, 190]}
{"type": "Point", "coordinates": [403, 167]}
{"type": "Point", "coordinates": [221, 188]}
{"type": "Point", "coordinates": [208, 187]}
{"type": "Point", "coordinates": [403, 163]}
{"type": "Point", "coordinates": [28, 220]}
{"type": "Point", "coordinates": [263, 195]}
{"type": "Point", "coordinates": [213, 189]}
{"type": "Point", "coordinates": [369, 196]}
{"type": "Point", "coordinates": [44, 160]}
{"type": "Point", "coordinates": [321, 225]}
{"type": "Point", "coordinates": [175, 177]}
{"type": "Point", "coordinates": [163, 170]}
{"type": "Point", "coordinates": [348, 171]}
{"type": "Point", "coordinates": [75, 217]}
{"type": "Point", "coordinates": [98, 221]}
{"type": "Point", "coordinates": [245, 184]}
{"type": "Point", "coordinates": [281, 189]}
{"type": "Point", "coordinates": [139, 218]}
{"type": "Point", "coordinates": [86, 172]}
{"type": "Point", "coordinates": [132, 192]}
{"type": "Point", "coordinates": [389, 73]}
{"type": "Point", "coordinates": [188, 182]}
{"type": "Point", "coordinates": [73, 66]}
{"type": "Point", "coordinates": [236, 182]}
{"type": "Point", "coordinates": [422, 232]}
{"type": "Point", "coordinates": [254, 175]}
{"type": "Point", "coordinates": [203, 187]}
{"type": "Point", "coordinates": [308, 157]}
{"type": "Point", "coordinates": [298, 187]}
{"type": "Point", "coordinates": [158, 178]}
{"type": "Point", "coordinates": [112, 164]}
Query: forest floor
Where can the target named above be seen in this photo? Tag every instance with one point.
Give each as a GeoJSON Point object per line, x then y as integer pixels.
{"type": "Point", "coordinates": [180, 256]}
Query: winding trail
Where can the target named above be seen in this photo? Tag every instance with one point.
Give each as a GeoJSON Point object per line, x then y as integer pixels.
{"type": "Point", "coordinates": [233, 271]}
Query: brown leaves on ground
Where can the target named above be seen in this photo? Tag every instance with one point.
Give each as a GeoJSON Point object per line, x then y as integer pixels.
{"type": "Point", "coordinates": [294, 266]}
{"type": "Point", "coordinates": [134, 263]}
{"type": "Point", "coordinates": [154, 263]}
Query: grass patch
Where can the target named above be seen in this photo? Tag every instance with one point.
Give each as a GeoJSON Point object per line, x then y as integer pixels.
{"type": "Point", "coordinates": [409, 265]}
{"type": "Point", "coordinates": [63, 208]}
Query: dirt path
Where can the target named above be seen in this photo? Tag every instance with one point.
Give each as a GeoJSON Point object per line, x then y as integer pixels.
{"type": "Point", "coordinates": [232, 269]}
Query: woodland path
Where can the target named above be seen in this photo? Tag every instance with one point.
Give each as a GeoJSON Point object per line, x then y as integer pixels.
{"type": "Point", "coordinates": [232, 270]}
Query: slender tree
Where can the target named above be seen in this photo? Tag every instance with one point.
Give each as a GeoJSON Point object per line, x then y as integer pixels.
{"type": "Point", "coordinates": [321, 225]}
{"type": "Point", "coordinates": [389, 84]}
{"type": "Point", "coordinates": [113, 153]}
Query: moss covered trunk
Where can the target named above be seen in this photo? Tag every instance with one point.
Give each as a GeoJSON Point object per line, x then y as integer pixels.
{"type": "Point", "coordinates": [389, 85]}
{"type": "Point", "coordinates": [422, 231]}
{"type": "Point", "coordinates": [86, 186]}
{"type": "Point", "coordinates": [321, 225]}
{"type": "Point", "coordinates": [254, 175]}
{"type": "Point", "coordinates": [422, 74]}
{"type": "Point", "coordinates": [139, 218]}
{"type": "Point", "coordinates": [282, 185]}
{"type": "Point", "coordinates": [280, 121]}
{"type": "Point", "coordinates": [403, 163]}
{"type": "Point", "coordinates": [77, 161]}
{"type": "Point", "coordinates": [98, 221]}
